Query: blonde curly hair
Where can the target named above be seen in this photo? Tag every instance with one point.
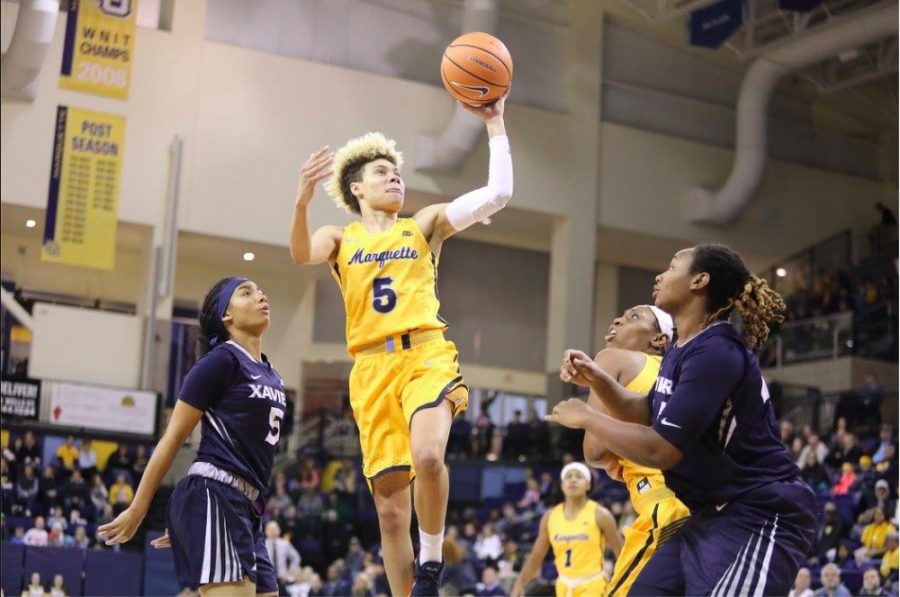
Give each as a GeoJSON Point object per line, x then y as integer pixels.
{"type": "Point", "coordinates": [349, 161]}
{"type": "Point", "coordinates": [733, 288]}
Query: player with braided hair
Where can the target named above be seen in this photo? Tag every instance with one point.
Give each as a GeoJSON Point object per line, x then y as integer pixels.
{"type": "Point", "coordinates": [710, 427]}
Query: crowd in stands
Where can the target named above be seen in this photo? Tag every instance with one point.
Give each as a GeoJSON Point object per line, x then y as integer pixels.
{"type": "Point", "coordinates": [61, 503]}
{"type": "Point", "coordinates": [322, 530]}
{"type": "Point", "coordinates": [840, 292]}
{"type": "Point", "coordinates": [853, 470]}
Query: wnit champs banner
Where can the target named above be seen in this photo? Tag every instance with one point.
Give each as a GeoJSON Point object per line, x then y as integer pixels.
{"type": "Point", "coordinates": [83, 201]}
{"type": "Point", "coordinates": [99, 47]}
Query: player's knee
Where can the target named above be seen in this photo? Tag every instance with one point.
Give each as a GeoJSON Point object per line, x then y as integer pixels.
{"type": "Point", "coordinates": [392, 519]}
{"type": "Point", "coordinates": [428, 460]}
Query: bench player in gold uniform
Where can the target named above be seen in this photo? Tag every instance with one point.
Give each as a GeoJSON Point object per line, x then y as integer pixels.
{"type": "Point", "coordinates": [405, 386]}
{"type": "Point", "coordinates": [635, 343]}
{"type": "Point", "coordinates": [579, 530]}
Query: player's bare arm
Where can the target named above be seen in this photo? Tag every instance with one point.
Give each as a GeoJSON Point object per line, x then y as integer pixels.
{"type": "Point", "coordinates": [580, 369]}
{"type": "Point", "coordinates": [636, 442]}
{"type": "Point", "coordinates": [532, 565]}
{"type": "Point", "coordinates": [620, 364]}
{"type": "Point", "coordinates": [323, 245]}
{"type": "Point", "coordinates": [607, 525]}
{"type": "Point", "coordinates": [184, 418]}
{"type": "Point", "coordinates": [441, 221]}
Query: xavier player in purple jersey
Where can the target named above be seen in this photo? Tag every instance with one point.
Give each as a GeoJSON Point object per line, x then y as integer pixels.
{"type": "Point", "coordinates": [213, 520]}
{"type": "Point", "coordinates": [709, 425]}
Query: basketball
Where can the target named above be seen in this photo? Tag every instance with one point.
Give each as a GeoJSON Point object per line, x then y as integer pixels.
{"type": "Point", "coordinates": [476, 68]}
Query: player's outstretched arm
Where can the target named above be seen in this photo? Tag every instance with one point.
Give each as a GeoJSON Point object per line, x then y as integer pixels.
{"type": "Point", "coordinates": [184, 418]}
{"type": "Point", "coordinates": [443, 220]}
{"type": "Point", "coordinates": [532, 565]}
{"type": "Point", "coordinates": [306, 248]}
{"type": "Point", "coordinates": [641, 444]}
{"type": "Point", "coordinates": [625, 405]}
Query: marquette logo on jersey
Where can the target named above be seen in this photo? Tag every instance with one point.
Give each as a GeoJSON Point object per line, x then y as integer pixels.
{"type": "Point", "coordinates": [664, 386]}
{"type": "Point", "coordinates": [383, 257]}
{"type": "Point", "coordinates": [267, 393]}
{"type": "Point", "coordinates": [568, 538]}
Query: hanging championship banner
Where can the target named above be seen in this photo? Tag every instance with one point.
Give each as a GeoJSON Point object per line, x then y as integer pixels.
{"type": "Point", "coordinates": [99, 47]}
{"type": "Point", "coordinates": [82, 206]}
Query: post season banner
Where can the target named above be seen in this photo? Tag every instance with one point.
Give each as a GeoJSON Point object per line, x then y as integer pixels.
{"type": "Point", "coordinates": [99, 47]}
{"type": "Point", "coordinates": [83, 199]}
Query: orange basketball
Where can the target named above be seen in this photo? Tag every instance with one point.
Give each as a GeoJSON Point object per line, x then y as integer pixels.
{"type": "Point", "coordinates": [476, 68]}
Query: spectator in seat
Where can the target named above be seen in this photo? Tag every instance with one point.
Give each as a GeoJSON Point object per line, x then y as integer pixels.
{"type": "Point", "coordinates": [829, 535]}
{"type": "Point", "coordinates": [355, 555]}
{"type": "Point", "coordinates": [886, 438]}
{"type": "Point", "coordinates": [75, 492]}
{"type": "Point", "coordinates": [58, 588]}
{"type": "Point", "coordinates": [887, 468]}
{"type": "Point", "coordinates": [119, 462]}
{"type": "Point", "coordinates": [80, 538]}
{"type": "Point", "coordinates": [532, 496]}
{"type": "Point", "coordinates": [879, 498]}
{"type": "Point", "coordinates": [488, 546]}
{"type": "Point", "coordinates": [34, 588]}
{"type": "Point", "coordinates": [29, 454]}
{"type": "Point", "coordinates": [99, 493]}
{"type": "Point", "coordinates": [802, 584]}
{"type": "Point", "coordinates": [140, 463]}
{"type": "Point", "coordinates": [57, 517]}
{"type": "Point", "coordinates": [87, 459]}
{"type": "Point", "coordinates": [460, 577]}
{"type": "Point", "coordinates": [18, 537]}
{"type": "Point", "coordinates": [27, 489]}
{"type": "Point", "coordinates": [284, 557]}
{"type": "Point", "coordinates": [831, 583]}
{"type": "Point", "coordinates": [872, 584]}
{"type": "Point", "coordinates": [308, 476]}
{"type": "Point", "coordinates": [67, 454]}
{"type": "Point", "coordinates": [814, 474]}
{"type": "Point", "coordinates": [890, 561]}
{"type": "Point", "coordinates": [845, 481]}
{"type": "Point", "coordinates": [815, 444]}
{"type": "Point", "coordinates": [490, 583]}
{"type": "Point", "coordinates": [845, 449]}
{"type": "Point", "coordinates": [120, 494]}
{"type": "Point", "coordinates": [874, 536]}
{"type": "Point", "coordinates": [48, 488]}
{"type": "Point", "coordinates": [38, 536]}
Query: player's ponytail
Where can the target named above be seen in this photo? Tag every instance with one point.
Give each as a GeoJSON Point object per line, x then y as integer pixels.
{"type": "Point", "coordinates": [733, 288]}
{"type": "Point", "coordinates": [212, 329]}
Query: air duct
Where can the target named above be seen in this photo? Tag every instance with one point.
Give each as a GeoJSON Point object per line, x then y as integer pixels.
{"type": "Point", "coordinates": [446, 150]}
{"type": "Point", "coordinates": [725, 204]}
{"type": "Point", "coordinates": [28, 47]}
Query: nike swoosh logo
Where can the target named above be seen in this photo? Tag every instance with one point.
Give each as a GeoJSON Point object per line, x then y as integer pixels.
{"type": "Point", "coordinates": [721, 507]}
{"type": "Point", "coordinates": [481, 90]}
{"type": "Point", "coordinates": [665, 421]}
{"type": "Point", "coordinates": [255, 376]}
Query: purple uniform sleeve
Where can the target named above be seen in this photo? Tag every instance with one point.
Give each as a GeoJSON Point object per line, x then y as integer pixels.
{"type": "Point", "coordinates": [708, 377]}
{"type": "Point", "coordinates": [208, 379]}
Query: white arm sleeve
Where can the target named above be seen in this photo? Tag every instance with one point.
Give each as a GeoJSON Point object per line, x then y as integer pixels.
{"type": "Point", "coordinates": [481, 203]}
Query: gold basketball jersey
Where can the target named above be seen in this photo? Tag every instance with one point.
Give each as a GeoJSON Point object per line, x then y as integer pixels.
{"type": "Point", "coordinates": [644, 484]}
{"type": "Point", "coordinates": [578, 544]}
{"type": "Point", "coordinates": [388, 281]}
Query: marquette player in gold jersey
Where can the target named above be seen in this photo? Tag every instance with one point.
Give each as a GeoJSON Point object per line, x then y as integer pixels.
{"type": "Point", "coordinates": [635, 343]}
{"type": "Point", "coordinates": [405, 386]}
{"type": "Point", "coordinates": [579, 530]}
